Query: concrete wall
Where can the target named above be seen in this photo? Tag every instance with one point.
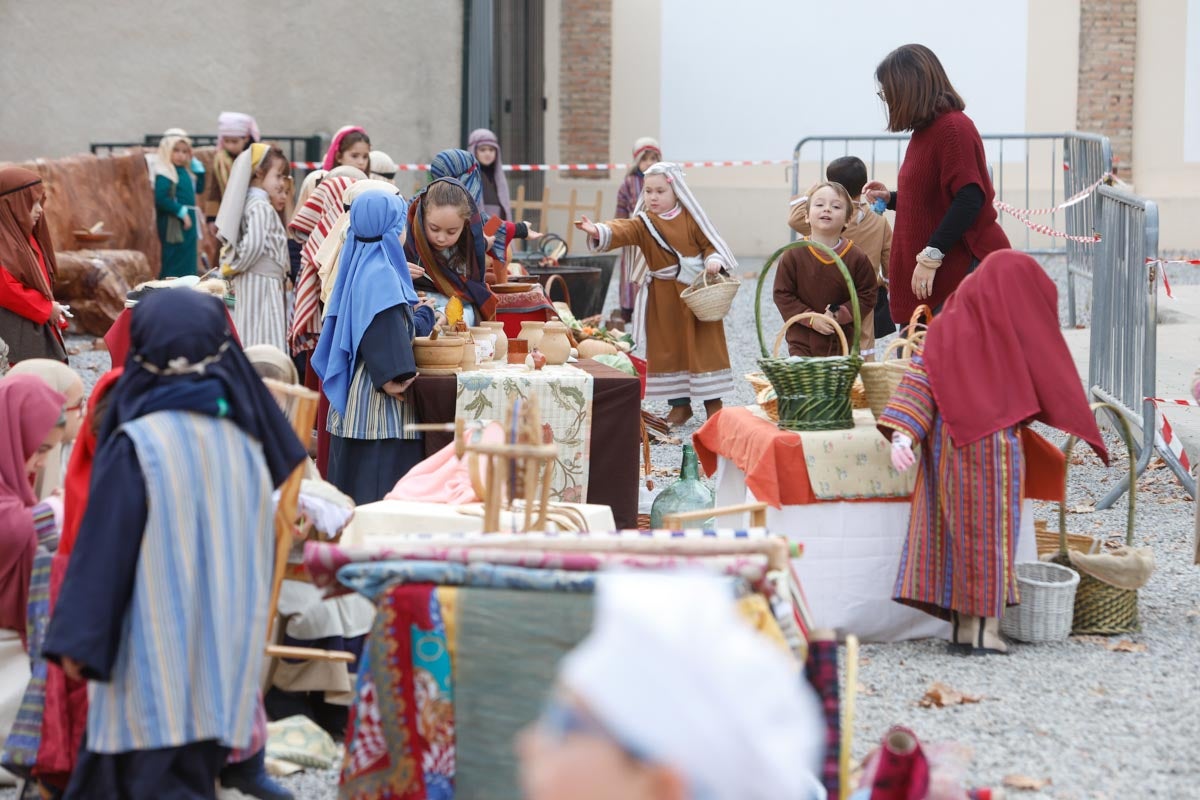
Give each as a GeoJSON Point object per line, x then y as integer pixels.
{"type": "Point", "coordinates": [73, 73]}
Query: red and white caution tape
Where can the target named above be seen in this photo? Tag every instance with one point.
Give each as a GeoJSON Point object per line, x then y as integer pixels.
{"type": "Point", "coordinates": [577, 167]}
{"type": "Point", "coordinates": [1046, 230]}
{"type": "Point", "coordinates": [1162, 266]}
{"type": "Point", "coordinates": [1074, 199]}
{"type": "Point", "coordinates": [1167, 435]}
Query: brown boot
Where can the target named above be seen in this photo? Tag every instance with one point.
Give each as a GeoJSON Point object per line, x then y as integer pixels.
{"type": "Point", "coordinates": [989, 641]}
{"type": "Point", "coordinates": [679, 415]}
{"type": "Point", "coordinates": [964, 630]}
{"type": "Point", "coordinates": [711, 407]}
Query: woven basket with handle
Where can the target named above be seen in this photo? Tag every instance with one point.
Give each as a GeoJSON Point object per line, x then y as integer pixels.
{"type": "Point", "coordinates": [710, 296]}
{"type": "Point", "coordinates": [813, 393]}
{"type": "Point", "coordinates": [1101, 608]}
{"type": "Point", "coordinates": [880, 378]}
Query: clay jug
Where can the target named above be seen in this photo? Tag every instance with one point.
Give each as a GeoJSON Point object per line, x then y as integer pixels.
{"type": "Point", "coordinates": [554, 344]}
{"type": "Point", "coordinates": [485, 340]}
{"type": "Point", "coordinates": [497, 329]}
{"type": "Point", "coordinates": [531, 332]}
{"type": "Point", "coordinates": [536, 359]}
{"type": "Point", "coordinates": [470, 359]}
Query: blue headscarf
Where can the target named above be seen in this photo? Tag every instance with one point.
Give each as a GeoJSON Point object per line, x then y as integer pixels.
{"type": "Point", "coordinates": [372, 277]}
{"type": "Point", "coordinates": [464, 168]}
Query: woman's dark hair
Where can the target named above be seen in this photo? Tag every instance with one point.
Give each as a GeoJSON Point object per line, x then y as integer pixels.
{"type": "Point", "coordinates": [915, 88]}
{"type": "Point", "coordinates": [850, 172]}
{"type": "Point", "coordinates": [351, 139]}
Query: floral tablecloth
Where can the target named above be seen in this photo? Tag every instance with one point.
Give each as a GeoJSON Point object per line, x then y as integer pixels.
{"type": "Point", "coordinates": [564, 399]}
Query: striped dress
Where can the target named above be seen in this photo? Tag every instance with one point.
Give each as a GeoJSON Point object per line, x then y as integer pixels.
{"type": "Point", "coordinates": [187, 667]}
{"type": "Point", "coordinates": [257, 269]}
{"type": "Point", "coordinates": [311, 225]}
{"type": "Point", "coordinates": [962, 535]}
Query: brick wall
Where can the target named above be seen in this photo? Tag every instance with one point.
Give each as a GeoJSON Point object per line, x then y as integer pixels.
{"type": "Point", "coordinates": [585, 83]}
{"type": "Point", "coordinates": [1107, 41]}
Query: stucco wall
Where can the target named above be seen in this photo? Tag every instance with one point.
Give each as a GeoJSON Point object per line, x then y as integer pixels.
{"type": "Point", "coordinates": [72, 73]}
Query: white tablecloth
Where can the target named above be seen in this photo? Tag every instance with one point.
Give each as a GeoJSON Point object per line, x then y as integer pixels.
{"type": "Point", "coordinates": [377, 523]}
{"type": "Point", "coordinates": [851, 556]}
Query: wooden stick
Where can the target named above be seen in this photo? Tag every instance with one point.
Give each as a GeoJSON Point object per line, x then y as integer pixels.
{"type": "Point", "coordinates": [309, 653]}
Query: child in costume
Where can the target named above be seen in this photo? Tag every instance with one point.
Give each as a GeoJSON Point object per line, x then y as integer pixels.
{"type": "Point", "coordinates": [646, 153]}
{"type": "Point", "coordinates": [235, 132]}
{"type": "Point", "coordinates": [687, 359]}
{"type": "Point", "coordinates": [178, 180]}
{"type": "Point", "coordinates": [350, 147]}
{"type": "Point", "coordinates": [808, 280]}
{"type": "Point", "coordinates": [485, 146]}
{"type": "Point", "coordinates": [254, 255]}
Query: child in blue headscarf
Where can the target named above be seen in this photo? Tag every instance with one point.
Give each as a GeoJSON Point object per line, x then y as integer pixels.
{"type": "Point", "coordinates": [365, 355]}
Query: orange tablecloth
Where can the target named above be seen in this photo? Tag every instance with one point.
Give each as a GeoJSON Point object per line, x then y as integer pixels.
{"type": "Point", "coordinates": [773, 460]}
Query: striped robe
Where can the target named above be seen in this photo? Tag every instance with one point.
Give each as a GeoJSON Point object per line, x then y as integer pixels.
{"type": "Point", "coordinates": [186, 667]}
{"type": "Point", "coordinates": [966, 506]}
{"type": "Point", "coordinates": [257, 269]}
{"type": "Point", "coordinates": [311, 224]}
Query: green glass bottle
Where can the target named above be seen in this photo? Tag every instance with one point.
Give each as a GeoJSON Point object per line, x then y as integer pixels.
{"type": "Point", "coordinates": [687, 494]}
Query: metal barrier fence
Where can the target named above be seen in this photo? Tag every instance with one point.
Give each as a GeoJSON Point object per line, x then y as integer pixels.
{"type": "Point", "coordinates": [1080, 159]}
{"type": "Point", "coordinates": [1122, 359]}
{"type": "Point", "coordinates": [297, 148]}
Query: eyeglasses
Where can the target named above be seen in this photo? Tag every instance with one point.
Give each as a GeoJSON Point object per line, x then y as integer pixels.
{"type": "Point", "coordinates": [560, 719]}
{"type": "Point", "coordinates": [80, 407]}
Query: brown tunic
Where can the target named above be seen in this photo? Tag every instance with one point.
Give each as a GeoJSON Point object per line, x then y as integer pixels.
{"type": "Point", "coordinates": [806, 280]}
{"type": "Point", "coordinates": [685, 357]}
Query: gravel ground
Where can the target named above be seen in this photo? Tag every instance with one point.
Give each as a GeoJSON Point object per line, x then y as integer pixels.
{"type": "Point", "coordinates": [1096, 723]}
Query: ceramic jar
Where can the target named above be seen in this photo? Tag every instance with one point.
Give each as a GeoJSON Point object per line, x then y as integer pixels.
{"type": "Point", "coordinates": [485, 343]}
{"type": "Point", "coordinates": [532, 332]}
{"type": "Point", "coordinates": [497, 329]}
{"type": "Point", "coordinates": [554, 344]}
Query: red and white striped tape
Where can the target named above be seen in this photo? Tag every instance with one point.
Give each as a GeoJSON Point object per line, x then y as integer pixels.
{"type": "Point", "coordinates": [1162, 265]}
{"type": "Point", "coordinates": [1167, 435]}
{"type": "Point", "coordinates": [1078, 197]}
{"type": "Point", "coordinates": [577, 167]}
{"type": "Point", "coordinates": [1046, 230]}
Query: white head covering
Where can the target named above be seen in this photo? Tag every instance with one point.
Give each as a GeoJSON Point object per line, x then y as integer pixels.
{"type": "Point", "coordinates": [382, 166]}
{"type": "Point", "coordinates": [640, 275]}
{"type": "Point", "coordinates": [670, 669]}
{"type": "Point", "coordinates": [234, 123]}
{"type": "Point", "coordinates": [347, 171]}
{"type": "Point", "coordinates": [233, 204]}
{"type": "Point", "coordinates": [330, 252]}
{"type": "Point", "coordinates": [308, 186]}
{"type": "Point", "coordinates": [161, 163]}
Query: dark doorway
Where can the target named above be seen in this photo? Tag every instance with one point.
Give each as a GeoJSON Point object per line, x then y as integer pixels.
{"type": "Point", "coordinates": [518, 91]}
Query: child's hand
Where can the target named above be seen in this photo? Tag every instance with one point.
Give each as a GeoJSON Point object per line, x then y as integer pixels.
{"type": "Point", "coordinates": [531, 234]}
{"type": "Point", "coordinates": [876, 190]}
{"type": "Point", "coordinates": [415, 271]}
{"type": "Point", "coordinates": [712, 267]}
{"type": "Point", "coordinates": [823, 324]}
{"type": "Point", "coordinates": [902, 452]}
{"type": "Point", "coordinates": [186, 219]}
{"type": "Point", "coordinates": [587, 226]}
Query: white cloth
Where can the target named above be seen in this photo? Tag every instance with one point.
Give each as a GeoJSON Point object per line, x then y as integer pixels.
{"type": "Point", "coordinates": [671, 670]}
{"type": "Point", "coordinates": [378, 524]}
{"type": "Point", "coordinates": [233, 202]}
{"type": "Point", "coordinates": [160, 163]}
{"type": "Point", "coordinates": [331, 248]}
{"type": "Point", "coordinates": [14, 675]}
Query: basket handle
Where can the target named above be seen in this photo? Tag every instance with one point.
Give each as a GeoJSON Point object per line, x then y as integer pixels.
{"type": "Point", "coordinates": [918, 312]}
{"type": "Point", "coordinates": [809, 315]}
{"type": "Point", "coordinates": [1127, 436]}
{"type": "Point", "coordinates": [841, 265]}
{"type": "Point", "coordinates": [550, 282]}
{"type": "Point", "coordinates": [894, 345]}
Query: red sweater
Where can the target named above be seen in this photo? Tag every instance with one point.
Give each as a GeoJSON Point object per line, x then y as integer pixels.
{"type": "Point", "coordinates": [941, 159]}
{"type": "Point", "coordinates": [21, 299]}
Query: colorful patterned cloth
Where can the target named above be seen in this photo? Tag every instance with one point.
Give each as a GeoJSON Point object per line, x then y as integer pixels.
{"type": "Point", "coordinates": [21, 747]}
{"type": "Point", "coordinates": [854, 464]}
{"type": "Point", "coordinates": [400, 742]}
{"type": "Point", "coordinates": [821, 669]}
{"type": "Point", "coordinates": [564, 398]}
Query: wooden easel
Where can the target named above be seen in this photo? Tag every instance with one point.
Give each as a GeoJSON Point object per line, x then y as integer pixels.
{"type": "Point", "coordinates": [300, 407]}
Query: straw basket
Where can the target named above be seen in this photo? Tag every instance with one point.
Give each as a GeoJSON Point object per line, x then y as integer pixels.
{"type": "Point", "coordinates": [813, 393]}
{"type": "Point", "coordinates": [710, 296]}
{"type": "Point", "coordinates": [1048, 540]}
{"type": "Point", "coordinates": [880, 378]}
{"type": "Point", "coordinates": [1101, 608]}
{"type": "Point", "coordinates": [1047, 606]}
{"type": "Point", "coordinates": [764, 395]}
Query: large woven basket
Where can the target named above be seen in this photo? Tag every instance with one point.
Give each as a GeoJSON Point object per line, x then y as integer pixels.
{"type": "Point", "coordinates": [813, 393]}
{"type": "Point", "coordinates": [710, 296]}
{"type": "Point", "coordinates": [1101, 608]}
{"type": "Point", "coordinates": [880, 378]}
{"type": "Point", "coordinates": [1047, 606]}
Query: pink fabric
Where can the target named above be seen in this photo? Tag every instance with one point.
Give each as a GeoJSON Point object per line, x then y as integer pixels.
{"type": "Point", "coordinates": [29, 408]}
{"type": "Point", "coordinates": [441, 478]}
{"type": "Point", "coordinates": [332, 153]}
{"type": "Point", "coordinates": [258, 735]}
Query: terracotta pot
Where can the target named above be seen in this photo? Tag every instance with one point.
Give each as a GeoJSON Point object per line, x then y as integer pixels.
{"type": "Point", "coordinates": [497, 329]}
{"type": "Point", "coordinates": [517, 350]}
{"type": "Point", "coordinates": [441, 353]}
{"type": "Point", "coordinates": [554, 344]}
{"type": "Point", "coordinates": [536, 359]}
{"type": "Point", "coordinates": [531, 332]}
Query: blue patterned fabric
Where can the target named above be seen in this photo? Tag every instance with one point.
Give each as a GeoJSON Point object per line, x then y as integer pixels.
{"type": "Point", "coordinates": [372, 578]}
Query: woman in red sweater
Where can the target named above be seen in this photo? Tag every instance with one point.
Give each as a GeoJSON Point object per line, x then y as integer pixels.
{"type": "Point", "coordinates": [945, 222]}
{"type": "Point", "coordinates": [30, 320]}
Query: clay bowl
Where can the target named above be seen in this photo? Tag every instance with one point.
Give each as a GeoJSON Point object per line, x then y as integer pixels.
{"type": "Point", "coordinates": [445, 352]}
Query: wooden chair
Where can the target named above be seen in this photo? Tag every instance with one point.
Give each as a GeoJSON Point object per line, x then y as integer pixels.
{"type": "Point", "coordinates": [299, 405]}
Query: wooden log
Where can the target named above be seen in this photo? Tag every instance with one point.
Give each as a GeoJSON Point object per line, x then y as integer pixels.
{"type": "Point", "coordinates": [94, 284]}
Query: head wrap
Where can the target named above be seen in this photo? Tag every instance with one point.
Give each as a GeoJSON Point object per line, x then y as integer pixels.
{"type": "Point", "coordinates": [639, 275]}
{"type": "Point", "coordinates": [79, 467]}
{"type": "Point", "coordinates": [382, 166]}
{"type": "Point", "coordinates": [705, 694]}
{"type": "Point", "coordinates": [307, 187]}
{"type": "Point", "coordinates": [20, 190]}
{"type": "Point", "coordinates": [180, 338]}
{"type": "Point", "coordinates": [347, 171]}
{"type": "Point", "coordinates": [61, 378]}
{"type": "Point", "coordinates": [462, 166]}
{"type": "Point", "coordinates": [275, 360]}
{"type": "Point", "coordinates": [234, 123]}
{"type": "Point", "coordinates": [1002, 322]}
{"type": "Point", "coordinates": [479, 138]}
{"type": "Point", "coordinates": [644, 145]}
{"type": "Point", "coordinates": [161, 164]}
{"type": "Point", "coordinates": [313, 221]}
{"type": "Point", "coordinates": [331, 154]}
{"type": "Point", "coordinates": [329, 253]}
{"type": "Point", "coordinates": [29, 409]}
{"type": "Point", "coordinates": [471, 289]}
{"type": "Point", "coordinates": [3, 358]}
{"type": "Point", "coordinates": [372, 277]}
{"type": "Point", "coordinates": [233, 204]}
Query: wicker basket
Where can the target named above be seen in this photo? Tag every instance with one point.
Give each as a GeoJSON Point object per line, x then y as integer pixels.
{"type": "Point", "coordinates": [858, 394]}
{"type": "Point", "coordinates": [764, 395]}
{"type": "Point", "coordinates": [1047, 606]}
{"type": "Point", "coordinates": [710, 296]}
{"type": "Point", "coordinates": [813, 393]}
{"type": "Point", "coordinates": [880, 378]}
{"type": "Point", "coordinates": [1048, 540]}
{"type": "Point", "coordinates": [1101, 608]}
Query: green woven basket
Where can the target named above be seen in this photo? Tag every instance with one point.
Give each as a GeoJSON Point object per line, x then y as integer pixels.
{"type": "Point", "coordinates": [814, 393]}
{"type": "Point", "coordinates": [1101, 608]}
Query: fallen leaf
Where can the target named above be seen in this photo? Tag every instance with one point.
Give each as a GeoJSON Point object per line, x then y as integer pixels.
{"type": "Point", "coordinates": [864, 690]}
{"type": "Point", "coordinates": [1083, 508]}
{"type": "Point", "coordinates": [1025, 783]}
{"type": "Point", "coordinates": [1092, 640]}
{"type": "Point", "coordinates": [939, 695]}
{"type": "Point", "coordinates": [72, 351]}
{"type": "Point", "coordinates": [1126, 646]}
